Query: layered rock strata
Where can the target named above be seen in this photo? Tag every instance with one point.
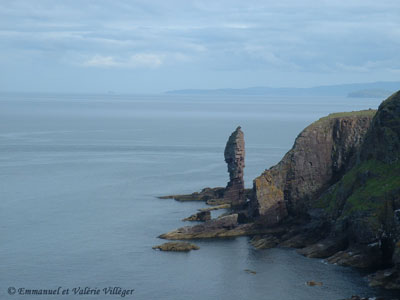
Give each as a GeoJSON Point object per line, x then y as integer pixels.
{"type": "Point", "coordinates": [320, 155]}
{"type": "Point", "coordinates": [234, 157]}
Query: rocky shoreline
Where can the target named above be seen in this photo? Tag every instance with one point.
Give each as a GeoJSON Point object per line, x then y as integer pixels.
{"type": "Point", "coordinates": [335, 195]}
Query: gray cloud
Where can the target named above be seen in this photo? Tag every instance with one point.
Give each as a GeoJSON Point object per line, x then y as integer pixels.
{"type": "Point", "coordinates": [307, 39]}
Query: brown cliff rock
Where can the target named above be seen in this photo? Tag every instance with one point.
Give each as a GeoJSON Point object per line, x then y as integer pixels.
{"type": "Point", "coordinates": [234, 157]}
{"type": "Point", "coordinates": [321, 154]}
{"type": "Point", "coordinates": [201, 216]}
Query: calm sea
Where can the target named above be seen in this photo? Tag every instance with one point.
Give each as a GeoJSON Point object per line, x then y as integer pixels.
{"type": "Point", "coordinates": [79, 180]}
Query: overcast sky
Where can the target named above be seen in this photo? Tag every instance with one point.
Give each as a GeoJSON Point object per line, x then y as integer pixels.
{"type": "Point", "coordinates": [149, 46]}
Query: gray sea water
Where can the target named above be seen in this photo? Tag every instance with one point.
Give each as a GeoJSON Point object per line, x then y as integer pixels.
{"type": "Point", "coordinates": [79, 180]}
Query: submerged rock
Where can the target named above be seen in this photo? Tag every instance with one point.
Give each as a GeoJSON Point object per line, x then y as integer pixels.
{"type": "Point", "coordinates": [314, 283]}
{"type": "Point", "coordinates": [177, 246]}
{"type": "Point", "coordinates": [250, 271]}
{"type": "Point", "coordinates": [234, 157]}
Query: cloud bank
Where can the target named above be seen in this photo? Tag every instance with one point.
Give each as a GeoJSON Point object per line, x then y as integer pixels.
{"type": "Point", "coordinates": [198, 44]}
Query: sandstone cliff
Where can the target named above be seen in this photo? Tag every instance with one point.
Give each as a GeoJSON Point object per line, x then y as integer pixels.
{"type": "Point", "coordinates": [320, 155]}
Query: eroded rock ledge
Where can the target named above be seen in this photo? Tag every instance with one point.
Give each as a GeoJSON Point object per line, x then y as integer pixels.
{"type": "Point", "coordinates": [177, 247]}
{"type": "Point", "coordinates": [206, 194]}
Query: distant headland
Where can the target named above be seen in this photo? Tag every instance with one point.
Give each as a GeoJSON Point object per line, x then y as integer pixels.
{"type": "Point", "coordinates": [381, 89]}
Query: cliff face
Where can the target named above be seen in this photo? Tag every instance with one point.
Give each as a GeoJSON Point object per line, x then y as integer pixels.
{"type": "Point", "coordinates": [364, 205]}
{"type": "Point", "coordinates": [320, 155]}
{"type": "Point", "coordinates": [383, 139]}
{"type": "Point", "coordinates": [234, 157]}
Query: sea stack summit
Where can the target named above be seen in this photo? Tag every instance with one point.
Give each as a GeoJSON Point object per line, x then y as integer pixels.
{"type": "Point", "coordinates": [234, 157]}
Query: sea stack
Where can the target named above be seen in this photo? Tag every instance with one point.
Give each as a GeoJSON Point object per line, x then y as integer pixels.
{"type": "Point", "coordinates": [234, 157]}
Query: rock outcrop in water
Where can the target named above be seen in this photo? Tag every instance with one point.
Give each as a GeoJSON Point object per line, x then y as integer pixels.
{"type": "Point", "coordinates": [206, 194]}
{"type": "Point", "coordinates": [234, 157]}
{"type": "Point", "coordinates": [177, 247]}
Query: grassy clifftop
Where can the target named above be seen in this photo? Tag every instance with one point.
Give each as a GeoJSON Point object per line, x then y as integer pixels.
{"type": "Point", "coordinates": [351, 114]}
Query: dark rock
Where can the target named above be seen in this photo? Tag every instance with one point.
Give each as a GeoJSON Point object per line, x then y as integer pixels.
{"type": "Point", "coordinates": [302, 233]}
{"type": "Point", "coordinates": [216, 207]}
{"type": "Point", "coordinates": [264, 242]}
{"type": "Point", "coordinates": [388, 279]}
{"type": "Point", "coordinates": [300, 240]}
{"type": "Point", "coordinates": [200, 216]}
{"type": "Point", "coordinates": [350, 259]}
{"type": "Point", "coordinates": [324, 248]}
{"type": "Point", "coordinates": [225, 226]}
{"type": "Point", "coordinates": [382, 141]}
{"type": "Point", "coordinates": [206, 194]}
{"type": "Point", "coordinates": [212, 228]}
{"type": "Point", "coordinates": [176, 246]}
{"type": "Point", "coordinates": [355, 297]}
{"type": "Point", "coordinates": [314, 283]}
{"type": "Point", "coordinates": [234, 156]}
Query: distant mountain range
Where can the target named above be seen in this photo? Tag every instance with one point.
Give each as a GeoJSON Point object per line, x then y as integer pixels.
{"type": "Point", "coordinates": [360, 90]}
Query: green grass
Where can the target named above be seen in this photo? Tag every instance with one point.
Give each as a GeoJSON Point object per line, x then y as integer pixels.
{"type": "Point", "coordinates": [371, 195]}
{"type": "Point", "coordinates": [361, 113]}
{"type": "Point", "coordinates": [366, 113]}
{"type": "Point", "coordinates": [362, 189]}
